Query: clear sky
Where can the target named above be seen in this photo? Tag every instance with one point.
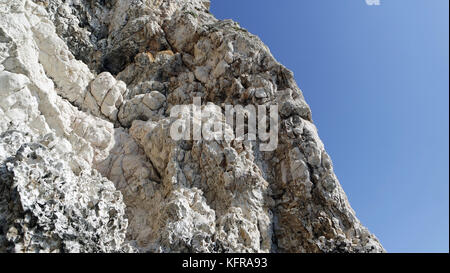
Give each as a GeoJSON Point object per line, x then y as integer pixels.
{"type": "Point", "coordinates": [376, 78]}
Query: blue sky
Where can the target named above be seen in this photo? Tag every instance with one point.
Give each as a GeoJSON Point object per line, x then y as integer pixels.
{"type": "Point", "coordinates": [376, 78]}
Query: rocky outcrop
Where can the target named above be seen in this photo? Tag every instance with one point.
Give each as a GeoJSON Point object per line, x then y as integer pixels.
{"type": "Point", "coordinates": [87, 161]}
{"type": "Point", "coordinates": [45, 207]}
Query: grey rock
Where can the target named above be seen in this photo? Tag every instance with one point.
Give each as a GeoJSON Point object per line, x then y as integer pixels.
{"type": "Point", "coordinates": [154, 100]}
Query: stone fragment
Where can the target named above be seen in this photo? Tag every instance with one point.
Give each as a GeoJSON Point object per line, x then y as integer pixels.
{"type": "Point", "coordinates": [154, 100]}
{"type": "Point", "coordinates": [260, 93]}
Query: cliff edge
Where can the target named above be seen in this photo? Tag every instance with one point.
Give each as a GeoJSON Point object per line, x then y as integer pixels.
{"type": "Point", "coordinates": [87, 160]}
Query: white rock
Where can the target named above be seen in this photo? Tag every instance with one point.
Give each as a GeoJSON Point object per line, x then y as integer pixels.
{"type": "Point", "coordinates": [260, 93]}
{"type": "Point", "coordinates": [60, 125]}
{"type": "Point", "coordinates": [101, 85]}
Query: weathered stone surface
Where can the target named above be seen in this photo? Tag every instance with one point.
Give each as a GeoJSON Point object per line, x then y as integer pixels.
{"type": "Point", "coordinates": [45, 207]}
{"type": "Point", "coordinates": [86, 92]}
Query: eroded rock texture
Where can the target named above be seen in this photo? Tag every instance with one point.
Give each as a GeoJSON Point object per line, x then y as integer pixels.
{"type": "Point", "coordinates": [87, 163]}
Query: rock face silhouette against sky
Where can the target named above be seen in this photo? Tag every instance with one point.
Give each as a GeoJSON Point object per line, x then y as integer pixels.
{"type": "Point", "coordinates": [93, 92]}
{"type": "Point", "coordinates": [376, 78]}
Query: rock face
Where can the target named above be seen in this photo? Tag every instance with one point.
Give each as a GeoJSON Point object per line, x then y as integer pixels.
{"type": "Point", "coordinates": [87, 161]}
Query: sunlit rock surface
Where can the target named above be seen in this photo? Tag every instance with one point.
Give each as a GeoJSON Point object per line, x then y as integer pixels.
{"type": "Point", "coordinates": [87, 162]}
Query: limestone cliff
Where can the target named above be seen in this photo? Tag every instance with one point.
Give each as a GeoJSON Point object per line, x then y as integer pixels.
{"type": "Point", "coordinates": [87, 162]}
